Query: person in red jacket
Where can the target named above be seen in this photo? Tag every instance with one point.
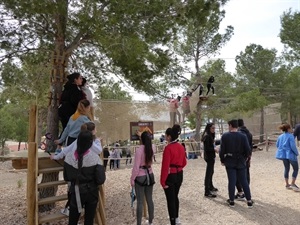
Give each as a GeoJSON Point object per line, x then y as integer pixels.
{"type": "Point", "coordinates": [173, 162]}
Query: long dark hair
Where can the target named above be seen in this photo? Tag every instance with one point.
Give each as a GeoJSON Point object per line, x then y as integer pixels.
{"type": "Point", "coordinates": [71, 77]}
{"type": "Point", "coordinates": [84, 142]}
{"type": "Point", "coordinates": [207, 132]}
{"type": "Point", "coordinates": [146, 141]}
{"type": "Point", "coordinates": [174, 132]}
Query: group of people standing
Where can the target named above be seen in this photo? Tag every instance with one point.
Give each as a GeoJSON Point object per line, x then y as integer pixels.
{"type": "Point", "coordinates": [235, 154]}
{"type": "Point", "coordinates": [234, 151]}
{"type": "Point", "coordinates": [142, 178]}
{"type": "Point", "coordinates": [82, 167]}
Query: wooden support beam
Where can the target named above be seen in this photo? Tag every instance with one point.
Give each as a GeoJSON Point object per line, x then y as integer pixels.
{"type": "Point", "coordinates": [32, 212]}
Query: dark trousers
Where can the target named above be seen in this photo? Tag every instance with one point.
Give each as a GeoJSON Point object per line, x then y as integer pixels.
{"type": "Point", "coordinates": [210, 165]}
{"type": "Point", "coordinates": [174, 182]}
{"type": "Point", "coordinates": [238, 184]}
{"type": "Point", "coordinates": [209, 86]}
{"type": "Point", "coordinates": [105, 161]}
{"type": "Point", "coordinates": [89, 201]}
{"type": "Point", "coordinates": [111, 164]}
{"type": "Point", "coordinates": [233, 174]}
{"type": "Point", "coordinates": [143, 192]}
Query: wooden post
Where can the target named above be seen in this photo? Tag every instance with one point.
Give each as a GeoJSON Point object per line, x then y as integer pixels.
{"type": "Point", "coordinates": [100, 217]}
{"type": "Point", "coordinates": [102, 204]}
{"type": "Point", "coordinates": [32, 211]}
{"type": "Point", "coordinates": [267, 142]}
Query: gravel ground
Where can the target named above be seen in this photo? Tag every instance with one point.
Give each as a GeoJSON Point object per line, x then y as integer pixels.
{"type": "Point", "coordinates": [273, 203]}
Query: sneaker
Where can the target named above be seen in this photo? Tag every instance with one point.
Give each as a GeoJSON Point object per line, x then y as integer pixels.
{"type": "Point", "coordinates": [289, 187]}
{"type": "Point", "coordinates": [57, 151]}
{"type": "Point", "coordinates": [240, 197]}
{"type": "Point", "coordinates": [177, 221]}
{"type": "Point", "coordinates": [65, 211]}
{"type": "Point", "coordinates": [250, 204]}
{"type": "Point", "coordinates": [295, 187]}
{"type": "Point", "coordinates": [210, 195]}
{"type": "Point", "coordinates": [230, 203]}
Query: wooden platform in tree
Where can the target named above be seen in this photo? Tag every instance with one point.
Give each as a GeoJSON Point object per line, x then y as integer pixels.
{"type": "Point", "coordinates": [19, 160]}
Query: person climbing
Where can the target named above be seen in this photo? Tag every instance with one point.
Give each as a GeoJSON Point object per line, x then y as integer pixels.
{"type": "Point", "coordinates": [209, 85]}
{"type": "Point", "coordinates": [201, 90]}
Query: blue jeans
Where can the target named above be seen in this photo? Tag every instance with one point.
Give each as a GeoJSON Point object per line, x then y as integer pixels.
{"type": "Point", "coordinates": [234, 173]}
{"type": "Point", "coordinates": [287, 163]}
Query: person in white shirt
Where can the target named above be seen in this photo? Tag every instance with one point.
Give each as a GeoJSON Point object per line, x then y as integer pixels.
{"type": "Point", "coordinates": [96, 146]}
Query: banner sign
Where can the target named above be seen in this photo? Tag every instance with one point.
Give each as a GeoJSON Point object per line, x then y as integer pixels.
{"type": "Point", "coordinates": [140, 126]}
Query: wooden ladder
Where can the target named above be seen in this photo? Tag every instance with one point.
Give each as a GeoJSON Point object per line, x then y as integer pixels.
{"type": "Point", "coordinates": [53, 199]}
{"type": "Point", "coordinates": [39, 165]}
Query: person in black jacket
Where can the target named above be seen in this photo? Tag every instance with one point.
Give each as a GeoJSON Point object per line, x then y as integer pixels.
{"type": "Point", "coordinates": [83, 169]}
{"type": "Point", "coordinates": [70, 98]}
{"type": "Point", "coordinates": [241, 128]}
{"type": "Point", "coordinates": [208, 138]}
{"type": "Point", "coordinates": [209, 85]}
{"type": "Point", "coordinates": [234, 151]}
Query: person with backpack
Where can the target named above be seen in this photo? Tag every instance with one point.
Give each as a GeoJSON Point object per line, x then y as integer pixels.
{"type": "Point", "coordinates": [96, 147]}
{"type": "Point", "coordinates": [142, 177]}
{"type": "Point", "coordinates": [83, 169]}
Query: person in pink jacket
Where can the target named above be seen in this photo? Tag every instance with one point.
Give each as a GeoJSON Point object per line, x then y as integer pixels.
{"type": "Point", "coordinates": [142, 177]}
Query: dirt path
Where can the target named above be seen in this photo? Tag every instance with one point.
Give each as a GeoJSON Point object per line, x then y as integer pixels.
{"type": "Point", "coordinates": [274, 204]}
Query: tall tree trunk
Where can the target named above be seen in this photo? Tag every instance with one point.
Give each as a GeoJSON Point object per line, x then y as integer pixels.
{"type": "Point", "coordinates": [57, 79]}
{"type": "Point", "coordinates": [262, 125]}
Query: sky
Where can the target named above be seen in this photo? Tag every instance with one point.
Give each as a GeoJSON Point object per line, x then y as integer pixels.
{"type": "Point", "coordinates": [254, 21]}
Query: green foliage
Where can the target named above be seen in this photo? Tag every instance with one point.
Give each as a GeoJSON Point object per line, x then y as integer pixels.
{"type": "Point", "coordinates": [290, 32]}
{"type": "Point", "coordinates": [248, 101]}
{"type": "Point", "coordinates": [260, 73]}
{"type": "Point", "coordinates": [124, 37]}
{"type": "Point", "coordinates": [13, 123]}
{"type": "Point", "coordinates": [113, 91]}
{"type": "Point", "coordinates": [26, 82]}
{"type": "Point", "coordinates": [290, 99]}
{"type": "Point", "coordinates": [198, 40]}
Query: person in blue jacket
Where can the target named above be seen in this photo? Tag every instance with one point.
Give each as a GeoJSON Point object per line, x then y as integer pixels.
{"type": "Point", "coordinates": [288, 152]}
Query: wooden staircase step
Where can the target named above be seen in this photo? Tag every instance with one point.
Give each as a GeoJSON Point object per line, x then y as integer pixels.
{"type": "Point", "coordinates": [52, 183]}
{"type": "Point", "coordinates": [45, 201]}
{"type": "Point", "coordinates": [51, 217]}
{"type": "Point", "coordinates": [51, 170]}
